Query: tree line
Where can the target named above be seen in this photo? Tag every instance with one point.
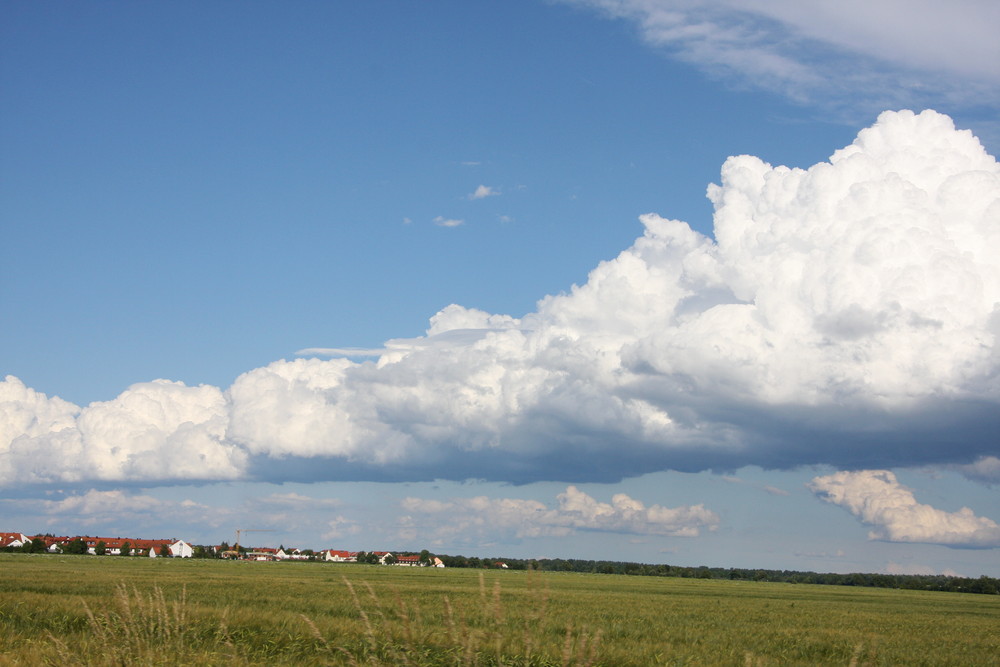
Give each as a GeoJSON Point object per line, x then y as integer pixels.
{"type": "Point", "coordinates": [924, 582]}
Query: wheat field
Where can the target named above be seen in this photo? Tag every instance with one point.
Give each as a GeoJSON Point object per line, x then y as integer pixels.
{"type": "Point", "coordinates": [89, 610]}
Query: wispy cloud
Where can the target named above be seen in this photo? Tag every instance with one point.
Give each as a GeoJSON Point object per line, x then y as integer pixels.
{"type": "Point", "coordinates": [442, 221]}
{"type": "Point", "coordinates": [986, 469]}
{"type": "Point", "coordinates": [881, 54]}
{"type": "Point", "coordinates": [110, 510]}
{"type": "Point", "coordinates": [512, 518]}
{"type": "Point", "coordinates": [879, 500]}
{"type": "Point", "coordinates": [340, 527]}
{"type": "Point", "coordinates": [915, 568]}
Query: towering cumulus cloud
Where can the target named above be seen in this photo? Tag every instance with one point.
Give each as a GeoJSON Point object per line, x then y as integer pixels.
{"type": "Point", "coordinates": [844, 314]}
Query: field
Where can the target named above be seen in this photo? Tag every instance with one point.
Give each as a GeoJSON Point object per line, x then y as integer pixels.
{"type": "Point", "coordinates": [67, 610]}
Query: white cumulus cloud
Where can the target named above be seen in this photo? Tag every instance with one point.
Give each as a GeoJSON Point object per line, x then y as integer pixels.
{"type": "Point", "coordinates": [152, 430]}
{"type": "Point", "coordinates": [879, 500]}
{"type": "Point", "coordinates": [846, 314]}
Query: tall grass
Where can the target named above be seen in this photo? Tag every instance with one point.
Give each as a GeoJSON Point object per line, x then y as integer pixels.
{"type": "Point", "coordinates": [145, 628]}
{"type": "Point", "coordinates": [484, 634]}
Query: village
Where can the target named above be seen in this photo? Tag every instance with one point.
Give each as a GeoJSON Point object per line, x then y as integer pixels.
{"type": "Point", "coordinates": [174, 548]}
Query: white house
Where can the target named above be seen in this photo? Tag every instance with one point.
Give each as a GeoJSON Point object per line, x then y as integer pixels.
{"type": "Point", "coordinates": [438, 562]}
{"type": "Point", "coordinates": [181, 549]}
{"type": "Point", "coordinates": [335, 556]}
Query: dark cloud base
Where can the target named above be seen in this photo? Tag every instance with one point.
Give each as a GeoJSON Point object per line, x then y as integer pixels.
{"type": "Point", "coordinates": [777, 438]}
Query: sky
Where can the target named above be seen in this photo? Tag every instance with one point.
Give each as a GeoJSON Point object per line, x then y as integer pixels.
{"type": "Point", "coordinates": [643, 280]}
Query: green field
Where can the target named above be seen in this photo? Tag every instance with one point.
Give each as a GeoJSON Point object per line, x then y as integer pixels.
{"type": "Point", "coordinates": [111, 610]}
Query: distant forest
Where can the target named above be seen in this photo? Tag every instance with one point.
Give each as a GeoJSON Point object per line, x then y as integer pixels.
{"type": "Point", "coordinates": [922, 582]}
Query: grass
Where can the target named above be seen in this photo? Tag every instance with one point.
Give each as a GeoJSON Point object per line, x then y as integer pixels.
{"type": "Point", "coordinates": [83, 610]}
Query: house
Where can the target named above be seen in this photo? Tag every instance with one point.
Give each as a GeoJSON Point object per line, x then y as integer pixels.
{"type": "Point", "coordinates": [408, 561]}
{"type": "Point", "coordinates": [382, 556]}
{"type": "Point", "coordinates": [181, 549]}
{"type": "Point", "coordinates": [137, 547]}
{"type": "Point", "coordinates": [335, 556]}
{"type": "Point", "coordinates": [261, 553]}
{"type": "Point", "coordinates": [54, 545]}
{"type": "Point", "coordinates": [438, 562]}
{"type": "Point", "coordinates": [151, 548]}
{"type": "Point", "coordinates": [13, 539]}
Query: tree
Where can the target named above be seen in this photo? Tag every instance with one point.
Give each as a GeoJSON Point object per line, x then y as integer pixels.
{"type": "Point", "coordinates": [164, 550]}
{"type": "Point", "coordinates": [37, 545]}
{"type": "Point", "coordinates": [76, 546]}
{"type": "Point", "coordinates": [126, 549]}
{"type": "Point", "coordinates": [100, 548]}
{"type": "Point", "coordinates": [390, 559]}
{"type": "Point", "coordinates": [426, 557]}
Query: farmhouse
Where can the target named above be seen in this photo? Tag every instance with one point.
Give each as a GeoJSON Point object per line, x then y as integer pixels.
{"type": "Point", "coordinates": [335, 556]}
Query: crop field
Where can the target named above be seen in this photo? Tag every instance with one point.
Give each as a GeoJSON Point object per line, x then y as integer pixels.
{"type": "Point", "coordinates": [92, 610]}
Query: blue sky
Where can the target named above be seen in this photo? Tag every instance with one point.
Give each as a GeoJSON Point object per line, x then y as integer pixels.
{"type": "Point", "coordinates": [431, 214]}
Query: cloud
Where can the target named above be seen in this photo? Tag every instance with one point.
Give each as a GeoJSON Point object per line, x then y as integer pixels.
{"type": "Point", "coordinates": [484, 191]}
{"type": "Point", "coordinates": [339, 527]}
{"type": "Point", "coordinates": [877, 498]}
{"type": "Point", "coordinates": [442, 221]}
{"type": "Point", "coordinates": [914, 568]}
{"type": "Point", "coordinates": [846, 314]}
{"type": "Point", "coordinates": [294, 501]}
{"type": "Point", "coordinates": [481, 517]}
{"type": "Point", "coordinates": [853, 53]}
{"type": "Point", "coordinates": [985, 469]}
{"type": "Point", "coordinates": [153, 430]}
{"type": "Point", "coordinates": [112, 509]}
{"type": "Point", "coordinates": [107, 503]}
